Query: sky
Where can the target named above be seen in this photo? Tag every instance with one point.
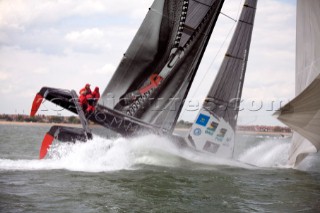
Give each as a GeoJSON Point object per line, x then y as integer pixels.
{"type": "Point", "coordinates": [68, 43]}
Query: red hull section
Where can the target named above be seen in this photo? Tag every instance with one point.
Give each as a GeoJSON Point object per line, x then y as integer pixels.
{"type": "Point", "coordinates": [36, 104]}
{"type": "Point", "coordinates": [47, 141]}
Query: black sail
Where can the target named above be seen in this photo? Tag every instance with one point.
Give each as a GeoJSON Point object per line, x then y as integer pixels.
{"type": "Point", "coordinates": [170, 43]}
{"type": "Point", "coordinates": [214, 128]}
{"type": "Point", "coordinates": [223, 99]}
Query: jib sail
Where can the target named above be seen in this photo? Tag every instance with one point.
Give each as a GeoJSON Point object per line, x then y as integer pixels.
{"type": "Point", "coordinates": [214, 128]}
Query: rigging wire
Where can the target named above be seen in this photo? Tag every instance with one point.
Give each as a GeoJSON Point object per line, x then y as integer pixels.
{"type": "Point", "coordinates": [210, 66]}
{"type": "Point", "coordinates": [215, 57]}
{"type": "Point", "coordinates": [228, 17]}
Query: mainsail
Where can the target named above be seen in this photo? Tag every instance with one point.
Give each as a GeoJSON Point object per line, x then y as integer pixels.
{"type": "Point", "coordinates": [156, 72]}
{"type": "Point", "coordinates": [302, 114]}
{"type": "Point", "coordinates": [215, 125]}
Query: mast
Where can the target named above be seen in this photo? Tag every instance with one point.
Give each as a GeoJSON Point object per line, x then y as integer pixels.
{"type": "Point", "coordinates": [214, 128]}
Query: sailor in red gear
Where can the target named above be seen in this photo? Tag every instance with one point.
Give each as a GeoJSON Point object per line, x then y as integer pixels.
{"type": "Point", "coordinates": [84, 92]}
{"type": "Point", "coordinates": [96, 94]}
{"type": "Point", "coordinates": [93, 99]}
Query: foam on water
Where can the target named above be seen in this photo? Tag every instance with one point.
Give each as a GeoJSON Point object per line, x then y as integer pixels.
{"type": "Point", "coordinates": [274, 154]}
{"type": "Point", "coordinates": [101, 155]}
{"type": "Point", "coordinates": [270, 153]}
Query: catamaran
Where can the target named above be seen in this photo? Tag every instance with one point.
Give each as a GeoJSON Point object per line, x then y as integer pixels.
{"type": "Point", "coordinates": [152, 81]}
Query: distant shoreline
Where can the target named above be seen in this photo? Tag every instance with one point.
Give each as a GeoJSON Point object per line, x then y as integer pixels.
{"type": "Point", "coordinates": [36, 123]}
{"type": "Point", "coordinates": [284, 134]}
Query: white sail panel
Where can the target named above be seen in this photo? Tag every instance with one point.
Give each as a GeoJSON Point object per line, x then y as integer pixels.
{"type": "Point", "coordinates": [304, 117]}
{"type": "Point", "coordinates": [302, 114]}
{"type": "Point", "coordinates": [308, 43]}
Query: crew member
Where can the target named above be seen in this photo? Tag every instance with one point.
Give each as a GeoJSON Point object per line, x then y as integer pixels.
{"type": "Point", "coordinates": [84, 92]}
{"type": "Point", "coordinates": [93, 99]}
{"type": "Point", "coordinates": [96, 95]}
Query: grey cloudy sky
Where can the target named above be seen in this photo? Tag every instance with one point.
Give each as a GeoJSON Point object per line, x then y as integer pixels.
{"type": "Point", "coordinates": [66, 44]}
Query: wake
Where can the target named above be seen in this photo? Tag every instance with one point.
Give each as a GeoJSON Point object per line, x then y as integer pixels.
{"type": "Point", "coordinates": [103, 155]}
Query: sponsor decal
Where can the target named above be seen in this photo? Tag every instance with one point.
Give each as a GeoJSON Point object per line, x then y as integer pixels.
{"type": "Point", "coordinates": [209, 132]}
{"type": "Point", "coordinates": [221, 134]}
{"type": "Point", "coordinates": [211, 147]}
{"type": "Point", "coordinates": [202, 120]}
{"type": "Point", "coordinates": [228, 140]}
{"type": "Point", "coordinates": [211, 128]}
{"type": "Point", "coordinates": [197, 131]}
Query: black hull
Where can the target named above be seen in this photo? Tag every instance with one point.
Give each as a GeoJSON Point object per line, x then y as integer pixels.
{"type": "Point", "coordinates": [113, 120]}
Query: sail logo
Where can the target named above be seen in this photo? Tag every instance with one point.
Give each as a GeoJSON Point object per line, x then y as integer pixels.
{"type": "Point", "coordinates": [202, 120]}
{"type": "Point", "coordinates": [211, 147]}
{"type": "Point", "coordinates": [221, 134]}
{"type": "Point", "coordinates": [212, 128]}
{"type": "Point", "coordinates": [209, 132]}
{"type": "Point", "coordinates": [197, 132]}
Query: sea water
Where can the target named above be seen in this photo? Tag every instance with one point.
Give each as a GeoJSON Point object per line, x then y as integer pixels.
{"type": "Point", "coordinates": [148, 173]}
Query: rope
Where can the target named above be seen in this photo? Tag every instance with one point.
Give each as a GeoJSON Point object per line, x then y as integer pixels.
{"type": "Point", "coordinates": [228, 17]}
